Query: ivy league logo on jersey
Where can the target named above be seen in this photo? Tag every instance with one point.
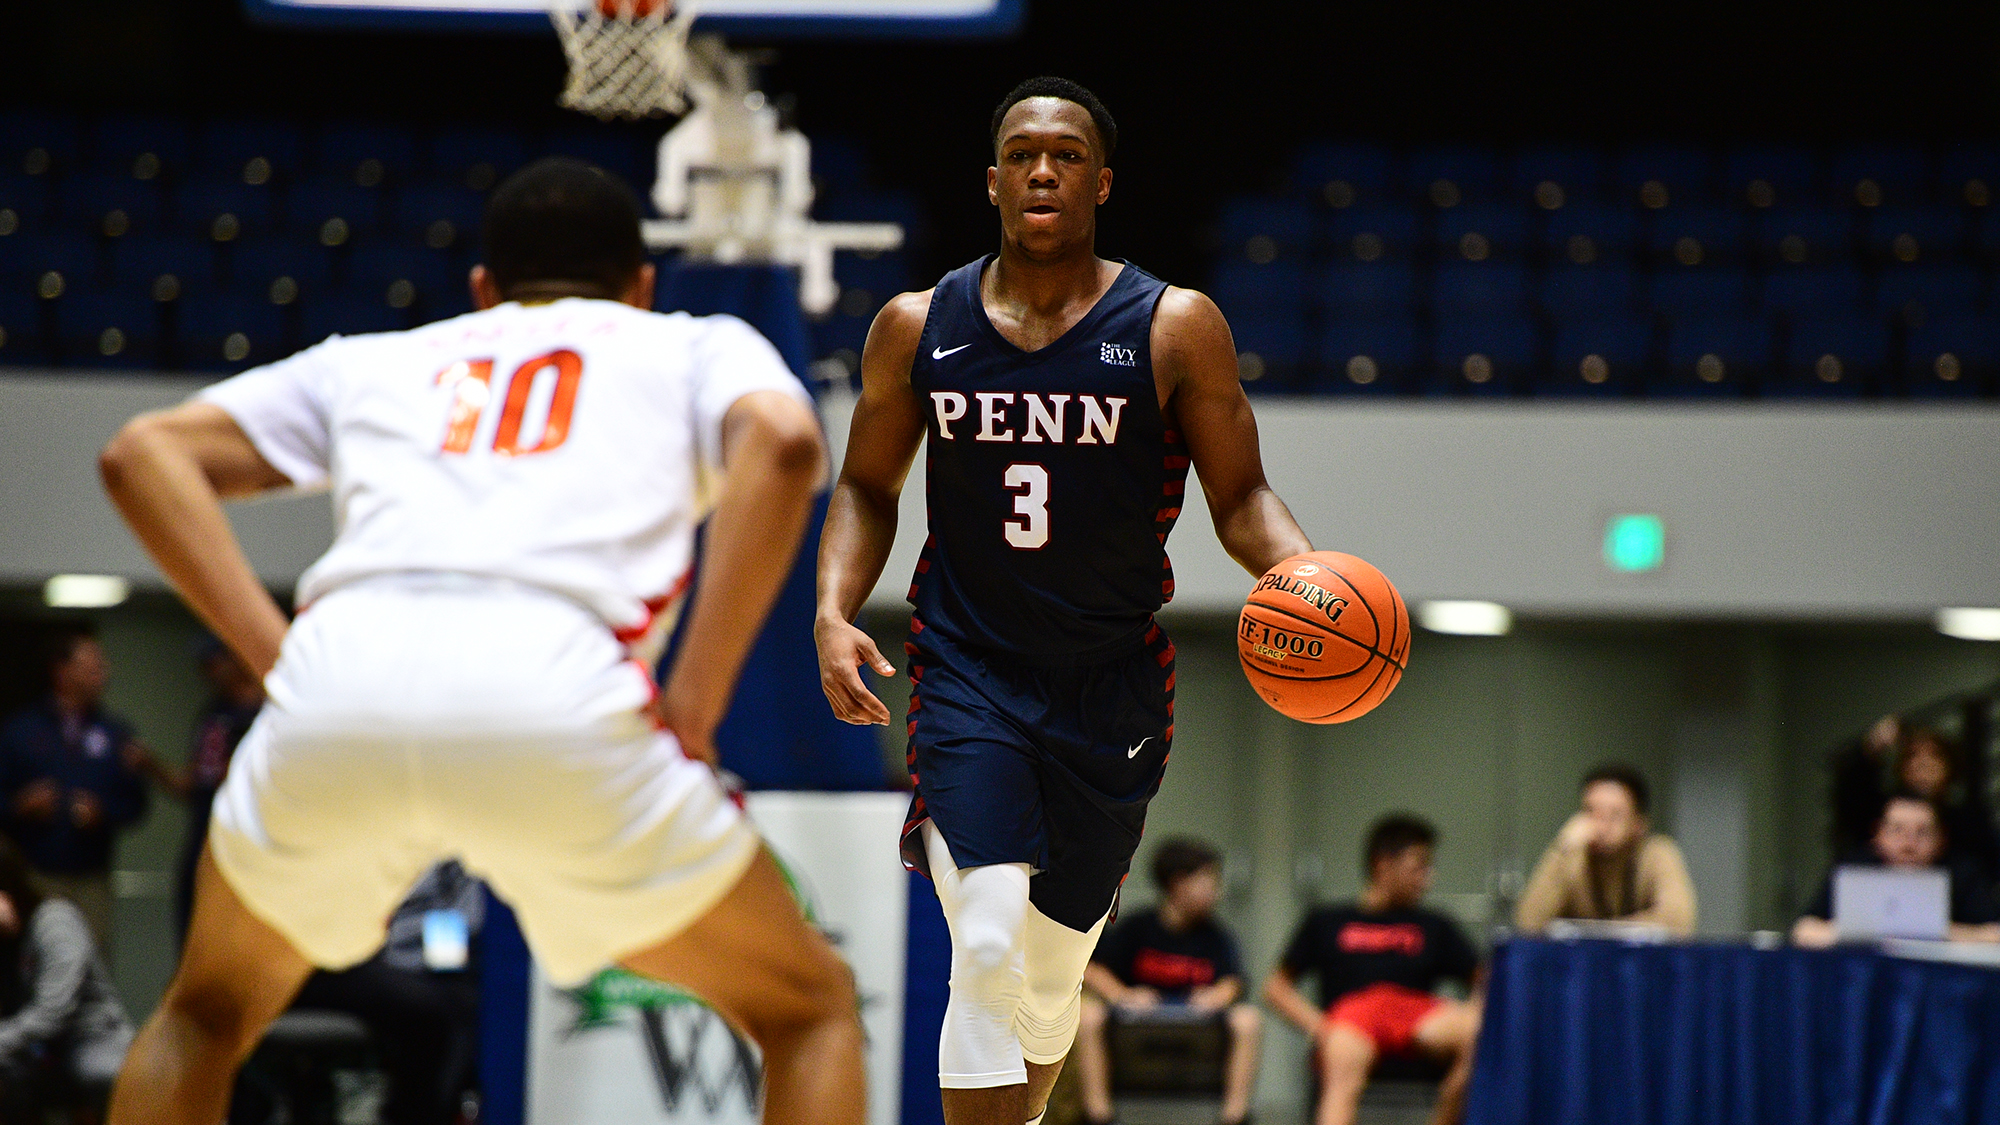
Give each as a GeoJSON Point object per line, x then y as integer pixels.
{"type": "Point", "coordinates": [1117, 356]}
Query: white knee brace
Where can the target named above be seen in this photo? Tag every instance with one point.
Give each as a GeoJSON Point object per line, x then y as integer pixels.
{"type": "Point", "coordinates": [1052, 1002]}
{"type": "Point", "coordinates": [986, 908]}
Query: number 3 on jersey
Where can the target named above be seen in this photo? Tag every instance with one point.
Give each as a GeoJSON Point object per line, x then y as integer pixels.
{"type": "Point", "coordinates": [471, 382]}
{"type": "Point", "coordinates": [1030, 482]}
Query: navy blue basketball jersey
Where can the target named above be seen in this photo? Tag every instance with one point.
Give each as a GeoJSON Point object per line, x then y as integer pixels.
{"type": "Point", "coordinates": [1052, 476]}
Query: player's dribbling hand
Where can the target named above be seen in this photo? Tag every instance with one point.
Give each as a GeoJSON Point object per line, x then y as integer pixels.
{"type": "Point", "coordinates": [842, 650]}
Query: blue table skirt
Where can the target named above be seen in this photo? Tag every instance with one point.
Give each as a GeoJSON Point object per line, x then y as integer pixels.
{"type": "Point", "coordinates": [1603, 1033]}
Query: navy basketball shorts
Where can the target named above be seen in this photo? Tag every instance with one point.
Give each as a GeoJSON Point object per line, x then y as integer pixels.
{"type": "Point", "coordinates": [1049, 765]}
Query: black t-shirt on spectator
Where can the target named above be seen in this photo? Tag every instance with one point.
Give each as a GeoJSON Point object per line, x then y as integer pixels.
{"type": "Point", "coordinates": [1971, 902]}
{"type": "Point", "coordinates": [1141, 950]}
{"type": "Point", "coordinates": [1350, 949]}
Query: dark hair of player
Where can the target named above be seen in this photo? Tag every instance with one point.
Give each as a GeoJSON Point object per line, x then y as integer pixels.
{"type": "Point", "coordinates": [560, 224]}
{"type": "Point", "coordinates": [1394, 834]}
{"type": "Point", "coordinates": [1047, 87]}
{"type": "Point", "coordinates": [1618, 773]}
{"type": "Point", "coordinates": [1180, 857]}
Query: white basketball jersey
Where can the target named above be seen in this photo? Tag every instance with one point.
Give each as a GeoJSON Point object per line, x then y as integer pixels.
{"type": "Point", "coordinates": [572, 446]}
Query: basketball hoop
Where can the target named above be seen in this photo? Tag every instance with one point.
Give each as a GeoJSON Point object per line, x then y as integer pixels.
{"type": "Point", "coordinates": [627, 58]}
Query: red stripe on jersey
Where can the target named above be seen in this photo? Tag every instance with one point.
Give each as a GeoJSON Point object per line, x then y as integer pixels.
{"type": "Point", "coordinates": [1177, 462]}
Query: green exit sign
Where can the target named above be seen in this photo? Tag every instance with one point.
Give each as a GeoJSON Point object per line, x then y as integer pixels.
{"type": "Point", "coordinates": [1634, 544]}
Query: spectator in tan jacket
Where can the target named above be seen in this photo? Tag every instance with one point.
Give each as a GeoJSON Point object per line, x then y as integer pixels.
{"type": "Point", "coordinates": [1606, 863]}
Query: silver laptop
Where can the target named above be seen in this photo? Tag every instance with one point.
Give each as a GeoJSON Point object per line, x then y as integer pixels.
{"type": "Point", "coordinates": [1882, 902]}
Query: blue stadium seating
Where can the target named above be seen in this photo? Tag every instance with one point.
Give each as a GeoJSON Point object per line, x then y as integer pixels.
{"type": "Point", "coordinates": [1697, 234]}
{"type": "Point", "coordinates": [479, 158]}
{"type": "Point", "coordinates": [624, 151]}
{"type": "Point", "coordinates": [1272, 349]}
{"type": "Point", "coordinates": [29, 197]}
{"type": "Point", "coordinates": [1917, 293]}
{"type": "Point", "coordinates": [137, 262]}
{"type": "Point", "coordinates": [1986, 235]}
{"type": "Point", "coordinates": [21, 337]}
{"type": "Point", "coordinates": [312, 205]}
{"type": "Point", "coordinates": [1367, 356]}
{"type": "Point", "coordinates": [345, 148]}
{"type": "Point", "coordinates": [108, 329]}
{"type": "Point", "coordinates": [1969, 173]}
{"type": "Point", "coordinates": [419, 207]}
{"type": "Point", "coordinates": [55, 137]}
{"type": "Point", "coordinates": [253, 266]}
{"type": "Point", "coordinates": [119, 144]}
{"type": "Point", "coordinates": [1244, 288]}
{"type": "Point", "coordinates": [1714, 357]}
{"type": "Point", "coordinates": [228, 147]}
{"type": "Point", "coordinates": [1910, 234]}
{"type": "Point", "coordinates": [88, 203]}
{"type": "Point", "coordinates": [1477, 231]}
{"type": "Point", "coordinates": [1809, 291]}
{"type": "Point", "coordinates": [1473, 174]}
{"type": "Point", "coordinates": [1700, 291]}
{"type": "Point", "coordinates": [348, 316]}
{"type": "Point", "coordinates": [1687, 174]}
{"type": "Point", "coordinates": [228, 332]}
{"type": "Point", "coordinates": [1834, 356]}
{"type": "Point", "coordinates": [1901, 174]}
{"type": "Point", "coordinates": [1589, 292]}
{"type": "Point", "coordinates": [1482, 356]}
{"type": "Point", "coordinates": [1259, 227]}
{"type": "Point", "coordinates": [1952, 357]}
{"type": "Point", "coordinates": [437, 280]}
{"type": "Point", "coordinates": [75, 258]}
{"type": "Point", "coordinates": [1370, 232]}
{"type": "Point", "coordinates": [1760, 176]}
{"type": "Point", "coordinates": [1579, 172]}
{"type": "Point", "coordinates": [1369, 289]}
{"type": "Point", "coordinates": [1606, 358]}
{"type": "Point", "coordinates": [1368, 173]}
{"type": "Point", "coordinates": [1608, 230]}
{"type": "Point", "coordinates": [1801, 235]}
{"type": "Point", "coordinates": [1480, 289]}
{"type": "Point", "coordinates": [199, 204]}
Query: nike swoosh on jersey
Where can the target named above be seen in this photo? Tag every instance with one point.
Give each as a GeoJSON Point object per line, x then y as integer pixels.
{"type": "Point", "coordinates": [940, 353]}
{"type": "Point", "coordinates": [1134, 751]}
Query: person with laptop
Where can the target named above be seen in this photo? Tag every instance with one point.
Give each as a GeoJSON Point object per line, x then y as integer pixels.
{"type": "Point", "coordinates": [1908, 838]}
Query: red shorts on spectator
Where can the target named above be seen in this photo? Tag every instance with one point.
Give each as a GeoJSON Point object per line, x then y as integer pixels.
{"type": "Point", "coordinates": [1388, 1014]}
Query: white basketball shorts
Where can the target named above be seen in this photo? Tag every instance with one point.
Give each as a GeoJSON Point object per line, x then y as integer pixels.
{"type": "Point", "coordinates": [412, 719]}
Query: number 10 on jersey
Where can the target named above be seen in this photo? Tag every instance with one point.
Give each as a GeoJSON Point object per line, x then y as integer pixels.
{"type": "Point", "coordinates": [1029, 482]}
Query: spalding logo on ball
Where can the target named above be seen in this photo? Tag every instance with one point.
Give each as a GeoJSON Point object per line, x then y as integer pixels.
{"type": "Point", "coordinates": [1324, 637]}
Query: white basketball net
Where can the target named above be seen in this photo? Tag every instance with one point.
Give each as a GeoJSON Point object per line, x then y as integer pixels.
{"type": "Point", "coordinates": [632, 64]}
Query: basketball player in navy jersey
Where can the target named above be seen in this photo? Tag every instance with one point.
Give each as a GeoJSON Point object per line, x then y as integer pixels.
{"type": "Point", "coordinates": [1063, 396]}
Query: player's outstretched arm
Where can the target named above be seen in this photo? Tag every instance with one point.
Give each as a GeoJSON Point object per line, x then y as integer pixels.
{"type": "Point", "coordinates": [774, 461]}
{"type": "Point", "coordinates": [1193, 350]}
{"type": "Point", "coordinates": [861, 513]}
{"type": "Point", "coordinates": [168, 472]}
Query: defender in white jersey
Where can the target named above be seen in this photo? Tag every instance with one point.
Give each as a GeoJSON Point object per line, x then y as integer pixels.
{"type": "Point", "coordinates": [516, 494]}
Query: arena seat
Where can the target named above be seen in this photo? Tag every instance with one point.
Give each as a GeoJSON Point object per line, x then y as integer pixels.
{"type": "Point", "coordinates": [1367, 356]}
{"type": "Point", "coordinates": [1804, 235]}
{"type": "Point", "coordinates": [408, 277]}
{"type": "Point", "coordinates": [1571, 292]}
{"type": "Point", "coordinates": [227, 149]}
{"type": "Point", "coordinates": [1813, 291]}
{"type": "Point", "coordinates": [1605, 358]}
{"type": "Point", "coordinates": [21, 338]}
{"type": "Point", "coordinates": [1369, 289]}
{"type": "Point", "coordinates": [1699, 291]}
{"type": "Point", "coordinates": [365, 155]}
{"type": "Point", "coordinates": [1480, 289]}
{"type": "Point", "coordinates": [348, 315]}
{"type": "Point", "coordinates": [28, 197]}
{"type": "Point", "coordinates": [1478, 231]}
{"type": "Point", "coordinates": [331, 211]}
{"type": "Point", "coordinates": [421, 207]}
{"type": "Point", "coordinates": [614, 150]}
{"type": "Point", "coordinates": [1482, 356]}
{"type": "Point", "coordinates": [255, 266]}
{"type": "Point", "coordinates": [1834, 357]}
{"type": "Point", "coordinates": [1578, 174]}
{"type": "Point", "coordinates": [142, 148]}
{"type": "Point", "coordinates": [107, 329]}
{"type": "Point", "coordinates": [1370, 233]}
{"type": "Point", "coordinates": [139, 262]}
{"type": "Point", "coordinates": [73, 258]}
{"type": "Point", "coordinates": [1873, 175]}
{"type": "Point", "coordinates": [1342, 175]}
{"type": "Point", "coordinates": [1968, 174]}
{"type": "Point", "coordinates": [228, 331]}
{"type": "Point", "coordinates": [1680, 176]}
{"type": "Point", "coordinates": [1766, 176]}
{"type": "Point", "coordinates": [1247, 287]}
{"type": "Point", "coordinates": [200, 207]}
{"type": "Point", "coordinates": [1986, 236]}
{"type": "Point", "coordinates": [39, 143]}
{"type": "Point", "coordinates": [1582, 233]}
{"type": "Point", "coordinates": [1912, 234]}
{"type": "Point", "coordinates": [112, 205]}
{"type": "Point", "coordinates": [1915, 294]}
{"type": "Point", "coordinates": [1261, 229]}
{"type": "Point", "coordinates": [477, 159]}
{"type": "Point", "coordinates": [1952, 357]}
{"type": "Point", "coordinates": [1714, 357]}
{"type": "Point", "coordinates": [1697, 234]}
{"type": "Point", "coordinates": [1449, 175]}
{"type": "Point", "coordinates": [1271, 350]}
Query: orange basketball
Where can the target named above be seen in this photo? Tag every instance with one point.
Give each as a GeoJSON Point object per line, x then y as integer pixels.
{"type": "Point", "coordinates": [1324, 637]}
{"type": "Point", "coordinates": [631, 9]}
